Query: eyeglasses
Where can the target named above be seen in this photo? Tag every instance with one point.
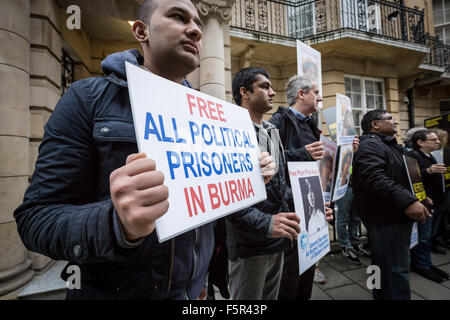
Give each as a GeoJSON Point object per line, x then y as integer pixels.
{"type": "Point", "coordinates": [390, 118]}
{"type": "Point", "coordinates": [434, 139]}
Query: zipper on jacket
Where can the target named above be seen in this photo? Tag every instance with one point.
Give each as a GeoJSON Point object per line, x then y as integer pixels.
{"type": "Point", "coordinates": [172, 249]}
{"type": "Point", "coordinates": [194, 266]}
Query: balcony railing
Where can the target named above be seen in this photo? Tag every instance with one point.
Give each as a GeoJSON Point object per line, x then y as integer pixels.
{"type": "Point", "coordinates": [316, 19]}
{"type": "Point", "coordinates": [439, 54]}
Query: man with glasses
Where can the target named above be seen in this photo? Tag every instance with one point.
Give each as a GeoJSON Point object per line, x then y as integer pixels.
{"type": "Point", "coordinates": [424, 143]}
{"type": "Point", "coordinates": [385, 203]}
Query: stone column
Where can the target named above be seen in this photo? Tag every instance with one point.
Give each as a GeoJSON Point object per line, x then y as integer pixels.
{"type": "Point", "coordinates": [45, 83]}
{"type": "Point", "coordinates": [15, 267]}
{"type": "Point", "coordinates": [215, 14]}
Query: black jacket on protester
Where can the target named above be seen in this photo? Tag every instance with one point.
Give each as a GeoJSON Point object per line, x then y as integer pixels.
{"type": "Point", "coordinates": [431, 182]}
{"type": "Point", "coordinates": [295, 134]}
{"type": "Point", "coordinates": [248, 229]}
{"type": "Point", "coordinates": [380, 182]}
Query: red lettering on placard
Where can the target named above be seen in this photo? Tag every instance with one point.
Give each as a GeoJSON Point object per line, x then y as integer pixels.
{"type": "Point", "coordinates": [205, 109]}
{"type": "Point", "coordinates": [197, 200]}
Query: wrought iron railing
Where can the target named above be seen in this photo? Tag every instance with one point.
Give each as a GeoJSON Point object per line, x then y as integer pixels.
{"type": "Point", "coordinates": [313, 19]}
{"type": "Point", "coordinates": [439, 54]}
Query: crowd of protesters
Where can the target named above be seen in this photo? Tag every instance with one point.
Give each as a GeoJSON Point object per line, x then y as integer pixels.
{"type": "Point", "coordinates": [93, 202]}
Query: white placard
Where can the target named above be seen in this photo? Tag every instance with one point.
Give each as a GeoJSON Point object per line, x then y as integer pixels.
{"type": "Point", "coordinates": [343, 173]}
{"type": "Point", "coordinates": [313, 242]}
{"type": "Point", "coordinates": [206, 148]}
{"type": "Point", "coordinates": [414, 236]}
{"type": "Point", "coordinates": [345, 132]}
{"type": "Point", "coordinates": [309, 63]}
{"type": "Point", "coordinates": [327, 167]}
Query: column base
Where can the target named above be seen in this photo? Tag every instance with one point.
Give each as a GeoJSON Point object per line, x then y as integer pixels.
{"type": "Point", "coordinates": [15, 278]}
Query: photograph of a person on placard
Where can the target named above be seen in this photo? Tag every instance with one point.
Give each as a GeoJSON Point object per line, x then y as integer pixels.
{"type": "Point", "coordinates": [313, 205]}
{"type": "Point", "coordinates": [348, 128]}
{"type": "Point", "coordinates": [345, 168]}
{"type": "Point", "coordinates": [310, 69]}
{"type": "Point", "coordinates": [326, 170]}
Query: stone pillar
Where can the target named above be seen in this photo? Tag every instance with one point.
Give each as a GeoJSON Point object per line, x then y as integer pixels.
{"type": "Point", "coordinates": [215, 14]}
{"type": "Point", "coordinates": [15, 267]}
{"type": "Point", "coordinates": [45, 83]}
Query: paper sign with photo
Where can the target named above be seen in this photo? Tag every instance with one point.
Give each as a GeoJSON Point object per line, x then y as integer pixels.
{"type": "Point", "coordinates": [309, 63]}
{"type": "Point", "coordinates": [330, 118]}
{"type": "Point", "coordinates": [327, 167]}
{"type": "Point", "coordinates": [344, 118]}
{"type": "Point", "coordinates": [343, 173]}
{"type": "Point", "coordinates": [313, 242]}
{"type": "Point", "coordinates": [417, 189]}
{"type": "Point", "coordinates": [439, 156]}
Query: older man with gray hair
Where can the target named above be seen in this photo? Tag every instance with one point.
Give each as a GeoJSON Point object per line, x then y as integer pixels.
{"type": "Point", "coordinates": [300, 138]}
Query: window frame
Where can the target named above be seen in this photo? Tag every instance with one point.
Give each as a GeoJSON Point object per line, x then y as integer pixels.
{"type": "Point", "coordinates": [362, 80]}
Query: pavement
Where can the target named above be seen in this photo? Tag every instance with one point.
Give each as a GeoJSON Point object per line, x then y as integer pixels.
{"type": "Point", "coordinates": [347, 281]}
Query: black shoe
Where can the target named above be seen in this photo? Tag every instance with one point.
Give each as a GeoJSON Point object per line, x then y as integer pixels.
{"type": "Point", "coordinates": [428, 273]}
{"type": "Point", "coordinates": [436, 249]}
{"type": "Point", "coordinates": [350, 255]}
{"type": "Point", "coordinates": [361, 251]}
{"type": "Point", "coordinates": [440, 272]}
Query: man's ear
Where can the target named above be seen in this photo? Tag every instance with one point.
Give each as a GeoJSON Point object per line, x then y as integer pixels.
{"type": "Point", "coordinates": [300, 94]}
{"type": "Point", "coordinates": [140, 31]}
{"type": "Point", "coordinates": [373, 124]}
{"type": "Point", "coordinates": [244, 93]}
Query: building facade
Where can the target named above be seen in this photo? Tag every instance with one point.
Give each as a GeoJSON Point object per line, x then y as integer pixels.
{"type": "Point", "coordinates": [382, 54]}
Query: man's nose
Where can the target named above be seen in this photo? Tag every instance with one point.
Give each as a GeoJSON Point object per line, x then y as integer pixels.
{"type": "Point", "coordinates": [194, 31]}
{"type": "Point", "coordinates": [271, 92]}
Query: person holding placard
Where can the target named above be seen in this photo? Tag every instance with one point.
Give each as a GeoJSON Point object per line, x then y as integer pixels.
{"type": "Point", "coordinates": [93, 200]}
{"type": "Point", "coordinates": [424, 143]}
{"type": "Point", "coordinates": [385, 204]}
{"type": "Point", "coordinates": [257, 236]}
{"type": "Point", "coordinates": [300, 138]}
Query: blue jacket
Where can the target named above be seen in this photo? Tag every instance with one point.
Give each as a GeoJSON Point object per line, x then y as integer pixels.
{"type": "Point", "coordinates": [67, 213]}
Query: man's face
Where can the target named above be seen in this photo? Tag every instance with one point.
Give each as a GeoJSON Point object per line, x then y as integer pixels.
{"type": "Point", "coordinates": [387, 125]}
{"type": "Point", "coordinates": [345, 168]}
{"type": "Point", "coordinates": [261, 99]}
{"type": "Point", "coordinates": [175, 33]}
{"type": "Point", "coordinates": [431, 144]}
{"type": "Point", "coordinates": [312, 98]}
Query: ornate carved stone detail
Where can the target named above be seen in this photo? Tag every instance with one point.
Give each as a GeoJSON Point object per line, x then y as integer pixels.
{"type": "Point", "coordinates": [219, 8]}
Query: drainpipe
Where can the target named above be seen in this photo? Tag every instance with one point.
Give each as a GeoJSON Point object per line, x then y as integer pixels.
{"type": "Point", "coordinates": [410, 96]}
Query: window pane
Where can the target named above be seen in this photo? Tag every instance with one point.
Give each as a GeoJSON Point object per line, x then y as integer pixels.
{"type": "Point", "coordinates": [369, 87]}
{"type": "Point", "coordinates": [379, 102]}
{"type": "Point", "coordinates": [356, 118]}
{"type": "Point", "coordinates": [356, 85]}
{"type": "Point", "coordinates": [356, 101]}
{"type": "Point", "coordinates": [370, 102]}
{"type": "Point", "coordinates": [348, 84]}
{"type": "Point", "coordinates": [377, 86]}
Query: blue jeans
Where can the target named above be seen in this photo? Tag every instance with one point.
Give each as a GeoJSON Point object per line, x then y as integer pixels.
{"type": "Point", "coordinates": [347, 222]}
{"type": "Point", "coordinates": [421, 253]}
{"type": "Point", "coordinates": [390, 252]}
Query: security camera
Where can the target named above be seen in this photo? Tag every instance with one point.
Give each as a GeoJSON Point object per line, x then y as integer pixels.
{"type": "Point", "coordinates": [405, 100]}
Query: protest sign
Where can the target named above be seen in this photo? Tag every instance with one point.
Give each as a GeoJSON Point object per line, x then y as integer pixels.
{"type": "Point", "coordinates": [327, 167]}
{"type": "Point", "coordinates": [206, 148]}
{"type": "Point", "coordinates": [313, 242]}
{"type": "Point", "coordinates": [344, 118]}
{"type": "Point", "coordinates": [343, 172]}
{"type": "Point", "coordinates": [439, 156]}
{"type": "Point", "coordinates": [417, 189]}
{"type": "Point", "coordinates": [309, 64]}
{"type": "Point", "coordinates": [330, 118]}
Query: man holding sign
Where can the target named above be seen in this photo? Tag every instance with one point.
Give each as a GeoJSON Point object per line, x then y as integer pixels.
{"type": "Point", "coordinates": [257, 236]}
{"type": "Point", "coordinates": [93, 200]}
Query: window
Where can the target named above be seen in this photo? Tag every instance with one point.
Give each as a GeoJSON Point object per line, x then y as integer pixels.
{"type": "Point", "coordinates": [366, 94]}
{"type": "Point", "coordinates": [441, 15]}
{"type": "Point", "coordinates": [361, 14]}
{"type": "Point", "coordinates": [301, 20]}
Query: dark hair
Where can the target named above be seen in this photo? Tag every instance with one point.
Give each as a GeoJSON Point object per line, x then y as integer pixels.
{"type": "Point", "coordinates": [420, 135]}
{"type": "Point", "coordinates": [366, 122]}
{"type": "Point", "coordinates": [245, 78]}
{"type": "Point", "coordinates": [146, 10]}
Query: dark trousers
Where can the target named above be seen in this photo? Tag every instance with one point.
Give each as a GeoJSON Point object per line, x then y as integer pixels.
{"type": "Point", "coordinates": [293, 286]}
{"type": "Point", "coordinates": [390, 252]}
